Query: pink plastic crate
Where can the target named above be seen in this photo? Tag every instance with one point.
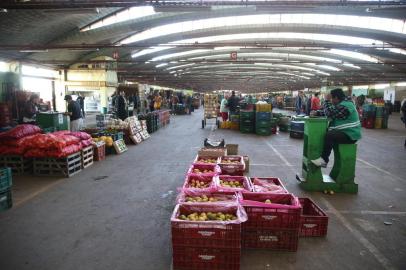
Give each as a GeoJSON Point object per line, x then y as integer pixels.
{"type": "Point", "coordinates": [228, 198]}
{"type": "Point", "coordinates": [206, 178]}
{"type": "Point", "coordinates": [245, 181]}
{"type": "Point", "coordinates": [268, 184]}
{"type": "Point", "coordinates": [237, 168]}
{"type": "Point", "coordinates": [199, 160]}
{"type": "Point", "coordinates": [204, 169]}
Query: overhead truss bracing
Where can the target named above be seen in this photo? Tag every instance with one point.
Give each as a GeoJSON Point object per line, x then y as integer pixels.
{"type": "Point", "coordinates": [251, 45]}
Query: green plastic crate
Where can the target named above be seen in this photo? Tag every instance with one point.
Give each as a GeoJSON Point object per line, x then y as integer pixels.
{"type": "Point", "coordinates": [5, 179]}
{"type": "Point", "coordinates": [263, 131]}
{"type": "Point", "coordinates": [59, 121]}
{"type": "Point", "coordinates": [263, 123]}
{"type": "Point", "coordinates": [6, 200]}
{"type": "Point", "coordinates": [284, 128]}
{"type": "Point", "coordinates": [247, 115]}
{"type": "Point", "coordinates": [244, 129]}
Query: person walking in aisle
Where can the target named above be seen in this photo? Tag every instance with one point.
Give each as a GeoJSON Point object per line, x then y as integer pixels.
{"type": "Point", "coordinates": [300, 103]}
{"type": "Point", "coordinates": [122, 112]}
{"type": "Point", "coordinates": [315, 105]}
{"type": "Point", "coordinates": [75, 114]}
{"type": "Point", "coordinates": [224, 109]}
{"type": "Point", "coordinates": [81, 100]}
{"type": "Point", "coordinates": [345, 127]}
{"type": "Point", "coordinates": [232, 103]}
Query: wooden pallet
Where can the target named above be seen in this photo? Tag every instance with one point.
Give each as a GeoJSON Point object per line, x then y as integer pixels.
{"type": "Point", "coordinates": [18, 164]}
{"type": "Point", "coordinates": [87, 156]}
{"type": "Point", "coordinates": [66, 167]}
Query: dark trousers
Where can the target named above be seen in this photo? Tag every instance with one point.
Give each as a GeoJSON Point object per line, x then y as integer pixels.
{"type": "Point", "coordinates": [334, 137]}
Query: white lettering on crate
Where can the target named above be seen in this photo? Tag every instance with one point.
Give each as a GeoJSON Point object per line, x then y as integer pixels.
{"type": "Point", "coordinates": [310, 225]}
{"type": "Point", "coordinates": [268, 217]}
{"type": "Point", "coordinates": [207, 257]}
{"type": "Point", "coordinates": [268, 238]}
{"type": "Point", "coordinates": [206, 233]}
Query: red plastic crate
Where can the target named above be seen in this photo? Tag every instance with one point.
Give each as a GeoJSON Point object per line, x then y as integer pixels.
{"type": "Point", "coordinates": [198, 258]}
{"type": "Point", "coordinates": [245, 181]}
{"type": "Point", "coordinates": [269, 180]}
{"type": "Point", "coordinates": [213, 168]}
{"type": "Point", "coordinates": [232, 169]}
{"type": "Point", "coordinates": [208, 234]}
{"type": "Point", "coordinates": [283, 213]}
{"type": "Point", "coordinates": [369, 122]}
{"type": "Point", "coordinates": [313, 221]}
{"type": "Point", "coordinates": [99, 152]}
{"type": "Point", "coordinates": [199, 158]}
{"type": "Point", "coordinates": [275, 239]}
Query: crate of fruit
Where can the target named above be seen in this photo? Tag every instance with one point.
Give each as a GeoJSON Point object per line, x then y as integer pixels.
{"type": "Point", "coordinates": [272, 239]}
{"type": "Point", "coordinates": [206, 160]}
{"type": "Point", "coordinates": [199, 182]}
{"type": "Point", "coordinates": [99, 153]}
{"type": "Point", "coordinates": [268, 184]}
{"type": "Point", "coordinates": [204, 169]}
{"type": "Point", "coordinates": [189, 196]}
{"type": "Point", "coordinates": [187, 258]}
{"type": "Point", "coordinates": [233, 183]}
{"type": "Point", "coordinates": [232, 165]}
{"type": "Point", "coordinates": [211, 226]}
{"type": "Point", "coordinates": [313, 221]}
{"type": "Point", "coordinates": [271, 211]}
{"type": "Point", "coordinates": [212, 152]}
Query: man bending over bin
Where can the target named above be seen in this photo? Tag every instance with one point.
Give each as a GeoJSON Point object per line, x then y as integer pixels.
{"type": "Point", "coordinates": [345, 126]}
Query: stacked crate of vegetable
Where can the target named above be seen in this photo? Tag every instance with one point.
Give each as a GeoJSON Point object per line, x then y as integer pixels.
{"type": "Point", "coordinates": [247, 121]}
{"type": "Point", "coordinates": [210, 105]}
{"type": "Point", "coordinates": [263, 123]}
{"type": "Point", "coordinates": [235, 121]}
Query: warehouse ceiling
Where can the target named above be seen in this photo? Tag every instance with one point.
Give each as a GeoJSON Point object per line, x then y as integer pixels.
{"type": "Point", "coordinates": [209, 45]}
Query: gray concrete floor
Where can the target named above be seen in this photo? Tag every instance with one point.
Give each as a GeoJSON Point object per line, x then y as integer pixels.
{"type": "Point", "coordinates": [122, 221]}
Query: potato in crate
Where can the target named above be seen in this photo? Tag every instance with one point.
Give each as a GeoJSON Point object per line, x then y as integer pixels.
{"type": "Point", "coordinates": [189, 196]}
{"type": "Point", "coordinates": [204, 169]}
{"type": "Point", "coordinates": [271, 211]}
{"type": "Point", "coordinates": [233, 183]}
{"type": "Point", "coordinates": [313, 221]}
{"type": "Point", "coordinates": [268, 184]}
{"type": "Point", "coordinates": [199, 182]}
{"type": "Point", "coordinates": [206, 160]}
{"type": "Point", "coordinates": [232, 165]}
{"type": "Point", "coordinates": [209, 226]}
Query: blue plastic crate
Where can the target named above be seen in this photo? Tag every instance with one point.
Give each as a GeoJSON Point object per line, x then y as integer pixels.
{"type": "Point", "coordinates": [265, 116]}
{"type": "Point", "coordinates": [5, 179]}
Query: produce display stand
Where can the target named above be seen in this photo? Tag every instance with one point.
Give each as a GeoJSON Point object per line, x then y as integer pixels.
{"type": "Point", "coordinates": [66, 167]}
{"type": "Point", "coordinates": [87, 156]}
{"type": "Point", "coordinates": [210, 109]}
{"type": "Point", "coordinates": [18, 164]}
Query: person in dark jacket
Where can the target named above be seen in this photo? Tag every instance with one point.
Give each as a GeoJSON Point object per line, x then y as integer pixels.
{"type": "Point", "coordinates": [233, 103]}
{"type": "Point", "coordinates": [75, 114]}
{"type": "Point", "coordinates": [122, 112]}
{"type": "Point", "coordinates": [31, 109]}
{"type": "Point", "coordinates": [81, 100]}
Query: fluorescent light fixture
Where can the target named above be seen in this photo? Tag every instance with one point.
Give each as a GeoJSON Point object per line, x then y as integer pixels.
{"type": "Point", "coordinates": [33, 51]}
{"type": "Point", "coordinates": [375, 23]}
{"type": "Point", "coordinates": [161, 65]}
{"type": "Point", "coordinates": [382, 85]}
{"type": "Point", "coordinates": [125, 15]}
{"type": "Point", "coordinates": [173, 55]}
{"type": "Point", "coordinates": [351, 66]}
{"type": "Point", "coordinates": [180, 66]}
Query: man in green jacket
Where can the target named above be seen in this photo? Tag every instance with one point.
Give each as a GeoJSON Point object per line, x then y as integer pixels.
{"type": "Point", "coordinates": [345, 127]}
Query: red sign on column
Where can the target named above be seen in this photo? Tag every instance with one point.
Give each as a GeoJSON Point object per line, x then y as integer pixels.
{"type": "Point", "coordinates": [115, 55]}
{"type": "Point", "coordinates": [233, 55]}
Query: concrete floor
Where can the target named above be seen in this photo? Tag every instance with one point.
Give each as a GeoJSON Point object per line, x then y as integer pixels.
{"type": "Point", "coordinates": [122, 220]}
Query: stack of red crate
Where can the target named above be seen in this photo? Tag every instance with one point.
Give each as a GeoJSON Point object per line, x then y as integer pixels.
{"type": "Point", "coordinates": [206, 244]}
{"type": "Point", "coordinates": [272, 225]}
{"type": "Point", "coordinates": [314, 221]}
